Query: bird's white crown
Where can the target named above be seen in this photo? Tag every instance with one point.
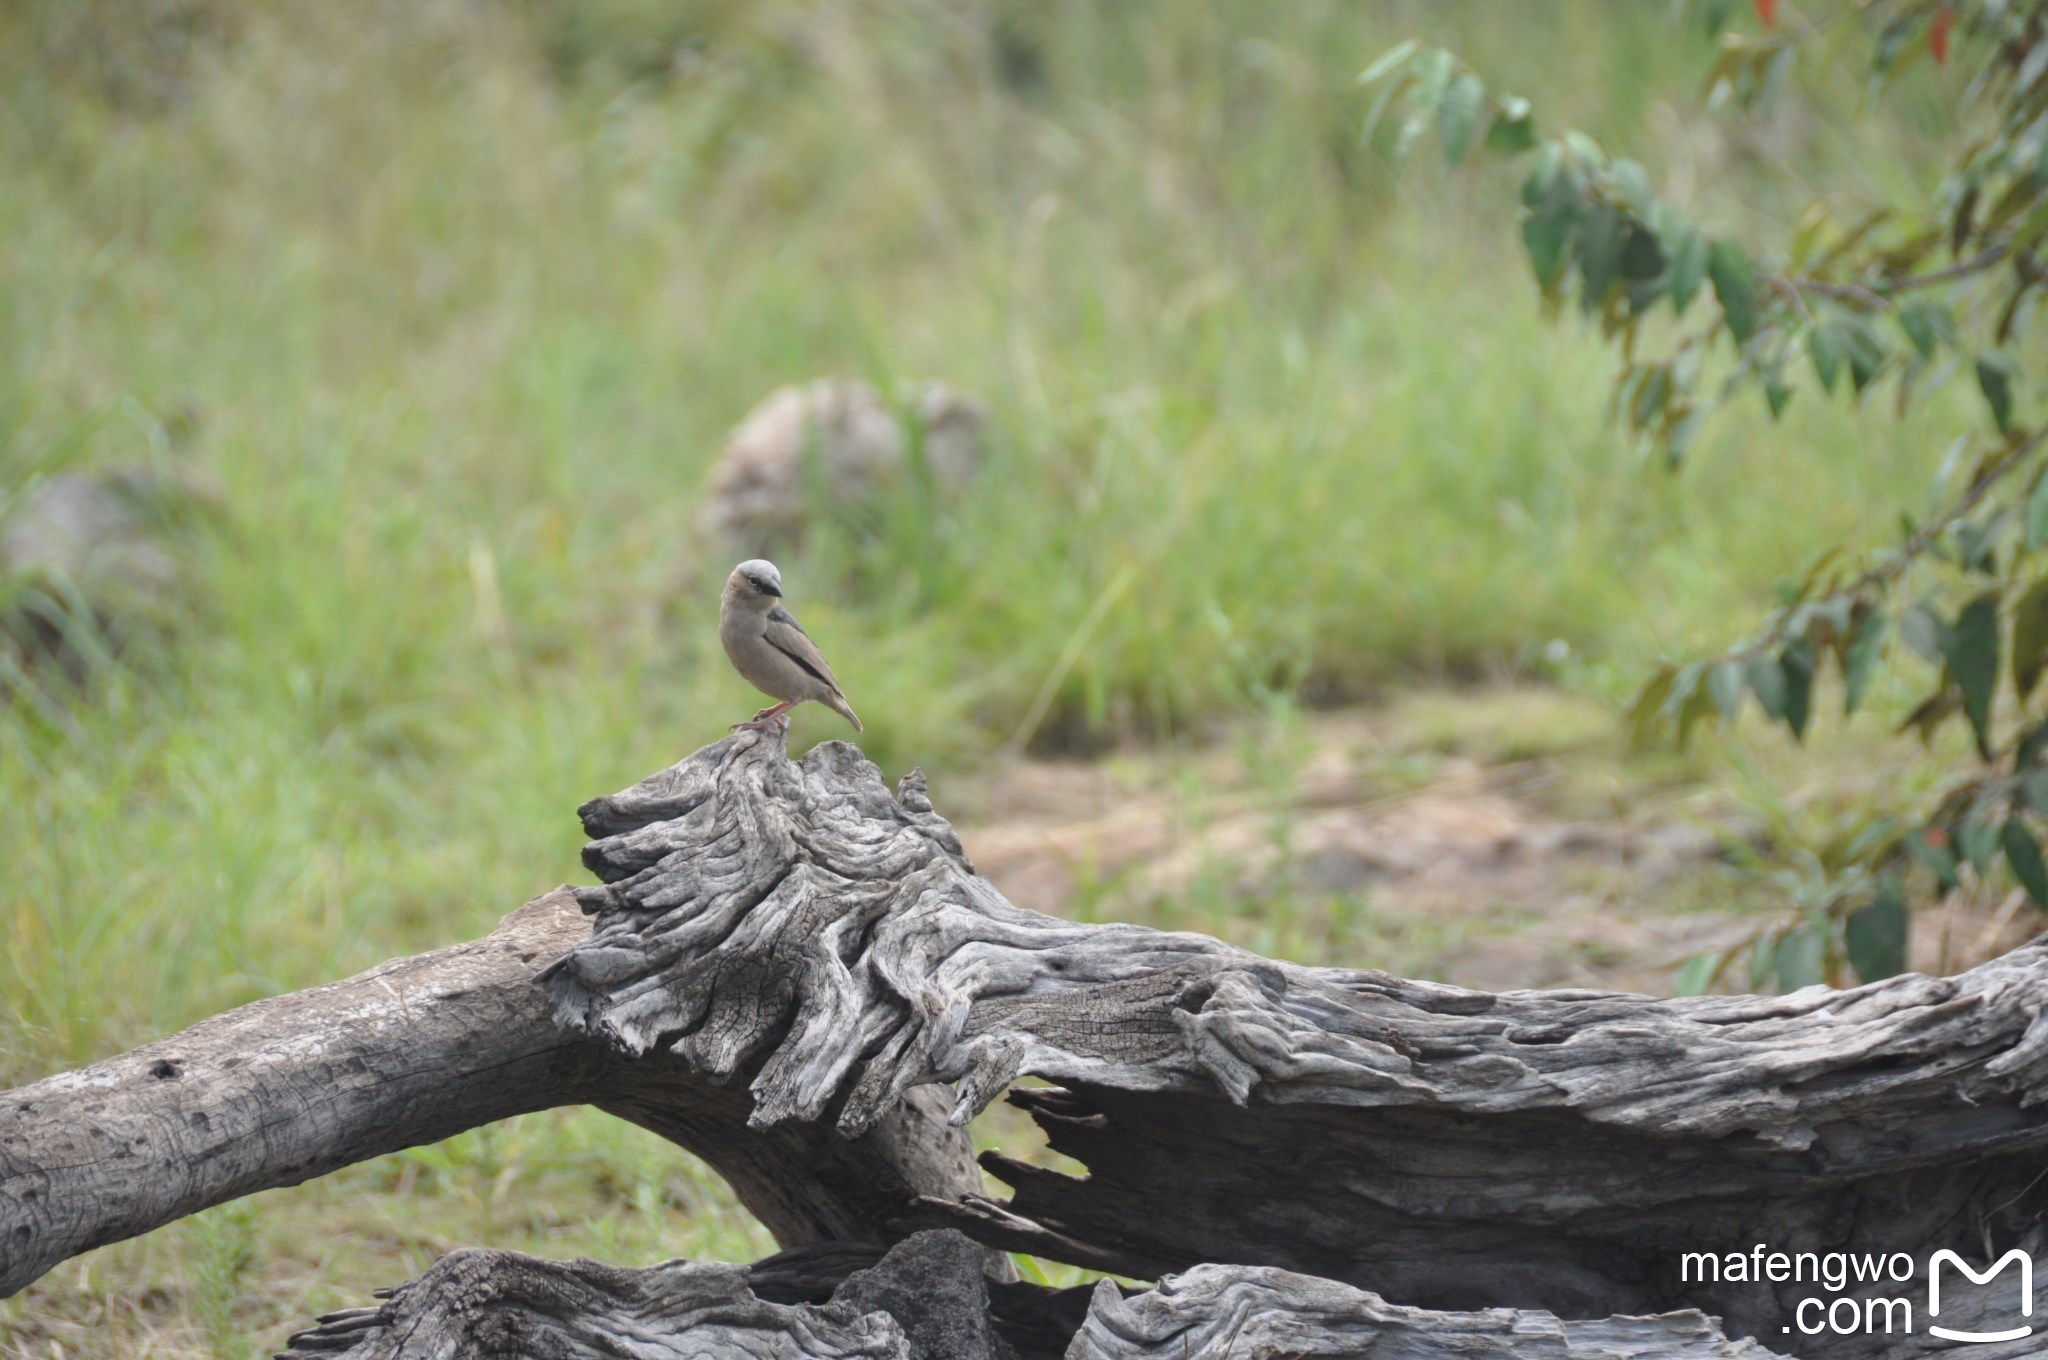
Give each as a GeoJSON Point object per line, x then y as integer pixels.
{"type": "Point", "coordinates": [760, 569]}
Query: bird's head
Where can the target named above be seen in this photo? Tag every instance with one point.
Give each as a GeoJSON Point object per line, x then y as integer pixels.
{"type": "Point", "coordinates": [756, 579]}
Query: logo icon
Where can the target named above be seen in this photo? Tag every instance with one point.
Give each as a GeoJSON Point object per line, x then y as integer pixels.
{"type": "Point", "coordinates": [1984, 1277]}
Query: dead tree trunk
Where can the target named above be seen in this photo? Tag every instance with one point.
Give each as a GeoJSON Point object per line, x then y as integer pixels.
{"type": "Point", "coordinates": [415, 1050]}
{"type": "Point", "coordinates": [1451, 1149]}
{"type": "Point", "coordinates": [928, 1299]}
{"type": "Point", "coordinates": [789, 963]}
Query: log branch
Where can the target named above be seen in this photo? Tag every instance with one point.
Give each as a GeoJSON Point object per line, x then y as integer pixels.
{"type": "Point", "coordinates": [1445, 1148]}
{"type": "Point", "coordinates": [413, 1051]}
{"type": "Point", "coordinates": [927, 1299]}
{"type": "Point", "coordinates": [1248, 1310]}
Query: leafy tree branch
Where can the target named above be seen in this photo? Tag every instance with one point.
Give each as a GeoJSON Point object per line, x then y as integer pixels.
{"type": "Point", "coordinates": [1910, 295]}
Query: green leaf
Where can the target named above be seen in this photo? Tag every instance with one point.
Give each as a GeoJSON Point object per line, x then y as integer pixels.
{"type": "Point", "coordinates": [1978, 841]}
{"type": "Point", "coordinates": [1925, 632]}
{"type": "Point", "coordinates": [1642, 259]}
{"type": "Point", "coordinates": [1827, 346]}
{"type": "Point", "coordinates": [1767, 682]}
{"type": "Point", "coordinates": [1924, 324]}
{"type": "Point", "coordinates": [1391, 60]}
{"type": "Point", "coordinates": [1678, 438]}
{"type": "Point", "coordinates": [1796, 663]}
{"type": "Point", "coordinates": [1697, 705]}
{"type": "Point", "coordinates": [1433, 72]}
{"type": "Point", "coordinates": [1547, 230]}
{"type": "Point", "coordinates": [1688, 251]}
{"type": "Point", "coordinates": [1802, 959]}
{"type": "Point", "coordinates": [1866, 649]}
{"type": "Point", "coordinates": [1650, 397]}
{"type": "Point", "coordinates": [1735, 287]}
{"type": "Point", "coordinates": [1513, 129]}
{"type": "Point", "coordinates": [1876, 934]}
{"type": "Point", "coordinates": [1648, 709]}
{"type": "Point", "coordinates": [1457, 117]}
{"type": "Point", "coordinates": [1725, 684]}
{"type": "Point", "coordinates": [1994, 376]}
{"type": "Point", "coordinates": [1600, 242]}
{"type": "Point", "coordinates": [2030, 639]}
{"type": "Point", "coordinates": [1934, 710]}
{"type": "Point", "coordinates": [2023, 853]}
{"type": "Point", "coordinates": [2037, 514]}
{"type": "Point", "coordinates": [1778, 393]}
{"type": "Point", "coordinates": [1697, 975]}
{"type": "Point", "coordinates": [1383, 101]}
{"type": "Point", "coordinates": [1972, 655]}
{"type": "Point", "coordinates": [1865, 351]}
{"type": "Point", "coordinates": [1938, 859]}
{"type": "Point", "coordinates": [1763, 963]}
{"type": "Point", "coordinates": [2032, 747]}
{"type": "Point", "coordinates": [1633, 183]}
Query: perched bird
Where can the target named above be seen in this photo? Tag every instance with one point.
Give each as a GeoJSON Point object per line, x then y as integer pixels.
{"type": "Point", "coordinates": [770, 648]}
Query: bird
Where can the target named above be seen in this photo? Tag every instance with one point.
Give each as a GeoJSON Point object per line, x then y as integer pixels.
{"type": "Point", "coordinates": [771, 650]}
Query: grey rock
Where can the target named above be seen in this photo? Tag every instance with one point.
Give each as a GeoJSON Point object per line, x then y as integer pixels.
{"type": "Point", "coordinates": [833, 444]}
{"type": "Point", "coordinates": [98, 550]}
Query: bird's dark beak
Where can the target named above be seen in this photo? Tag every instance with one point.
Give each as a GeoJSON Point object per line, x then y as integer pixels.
{"type": "Point", "coordinates": [770, 588]}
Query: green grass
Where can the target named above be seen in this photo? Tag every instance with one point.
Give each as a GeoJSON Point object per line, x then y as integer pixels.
{"type": "Point", "coordinates": [455, 302]}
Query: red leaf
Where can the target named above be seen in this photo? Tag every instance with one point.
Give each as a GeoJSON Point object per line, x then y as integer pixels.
{"type": "Point", "coordinates": [1767, 10]}
{"type": "Point", "coordinates": [1937, 34]}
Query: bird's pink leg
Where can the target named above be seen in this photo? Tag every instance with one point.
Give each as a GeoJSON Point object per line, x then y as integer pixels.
{"type": "Point", "coordinates": [767, 718]}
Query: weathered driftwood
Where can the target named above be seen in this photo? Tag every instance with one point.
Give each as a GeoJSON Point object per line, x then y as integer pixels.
{"type": "Point", "coordinates": [789, 963]}
{"type": "Point", "coordinates": [1445, 1148]}
{"type": "Point", "coordinates": [1225, 1311]}
{"type": "Point", "coordinates": [928, 1299]}
{"type": "Point", "coordinates": [477, 1302]}
{"type": "Point", "coordinates": [415, 1050]}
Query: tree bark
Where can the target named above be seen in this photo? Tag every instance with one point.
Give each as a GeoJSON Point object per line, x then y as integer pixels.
{"type": "Point", "coordinates": [1445, 1148]}
{"type": "Point", "coordinates": [412, 1051]}
{"type": "Point", "coordinates": [927, 1299]}
{"type": "Point", "coordinates": [1223, 1311]}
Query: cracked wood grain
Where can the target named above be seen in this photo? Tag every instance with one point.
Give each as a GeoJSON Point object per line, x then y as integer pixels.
{"type": "Point", "coordinates": [1443, 1147]}
{"type": "Point", "coordinates": [418, 1049]}
{"type": "Point", "coordinates": [1221, 1311]}
{"type": "Point", "coordinates": [927, 1299]}
{"type": "Point", "coordinates": [481, 1303]}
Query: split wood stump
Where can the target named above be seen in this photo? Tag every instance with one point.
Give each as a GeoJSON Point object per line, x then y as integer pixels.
{"type": "Point", "coordinates": [798, 976]}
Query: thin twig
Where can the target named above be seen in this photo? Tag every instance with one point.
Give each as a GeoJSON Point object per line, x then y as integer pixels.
{"type": "Point", "coordinates": [1884, 295]}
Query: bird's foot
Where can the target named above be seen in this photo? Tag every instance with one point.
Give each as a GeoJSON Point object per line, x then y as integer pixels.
{"type": "Point", "coordinates": [767, 720]}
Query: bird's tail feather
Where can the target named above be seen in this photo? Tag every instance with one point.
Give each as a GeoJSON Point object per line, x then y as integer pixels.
{"type": "Point", "coordinates": [837, 703]}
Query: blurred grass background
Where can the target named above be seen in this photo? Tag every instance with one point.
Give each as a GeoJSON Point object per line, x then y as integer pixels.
{"type": "Point", "coordinates": [454, 300]}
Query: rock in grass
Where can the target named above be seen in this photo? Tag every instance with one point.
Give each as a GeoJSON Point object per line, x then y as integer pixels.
{"type": "Point", "coordinates": [832, 447]}
{"type": "Point", "coordinates": [87, 558]}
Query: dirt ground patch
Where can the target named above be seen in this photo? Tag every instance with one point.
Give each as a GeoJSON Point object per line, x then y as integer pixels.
{"type": "Point", "coordinates": [1492, 840]}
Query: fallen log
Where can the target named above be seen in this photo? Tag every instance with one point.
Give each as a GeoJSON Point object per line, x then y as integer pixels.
{"type": "Point", "coordinates": [928, 1299]}
{"type": "Point", "coordinates": [415, 1050]}
{"type": "Point", "coordinates": [789, 964]}
{"type": "Point", "coordinates": [1559, 1151]}
{"type": "Point", "coordinates": [1224, 1311]}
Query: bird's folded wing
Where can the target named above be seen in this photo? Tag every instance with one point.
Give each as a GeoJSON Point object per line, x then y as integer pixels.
{"type": "Point", "coordinates": [787, 636]}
